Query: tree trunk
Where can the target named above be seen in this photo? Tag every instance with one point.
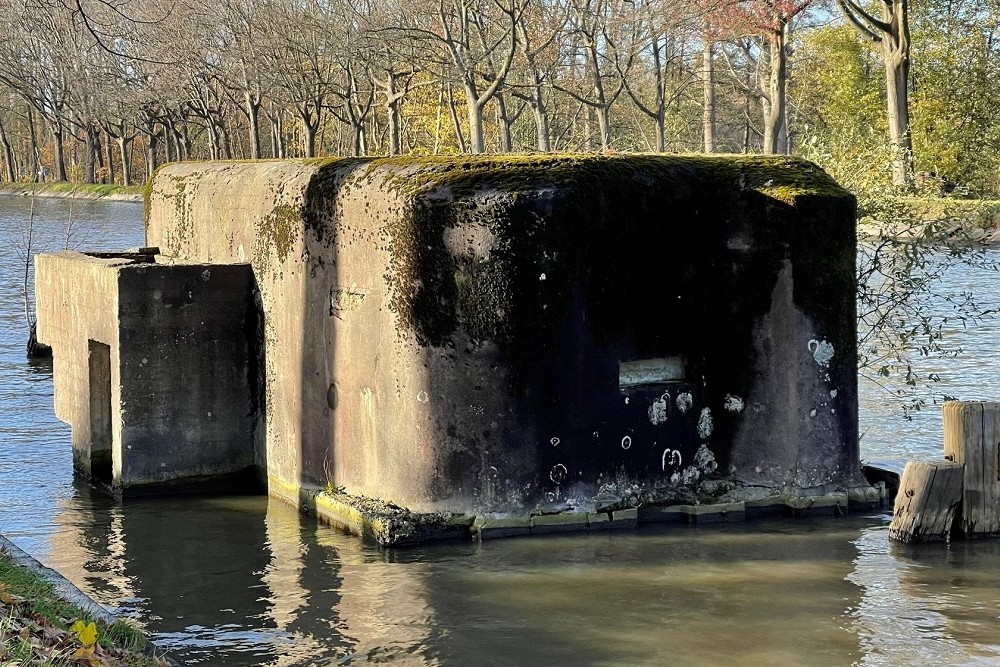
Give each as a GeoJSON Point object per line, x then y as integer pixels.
{"type": "Point", "coordinates": [477, 143]}
{"type": "Point", "coordinates": [308, 138]}
{"type": "Point", "coordinates": [226, 144]}
{"type": "Point", "coordinates": [8, 156]}
{"type": "Point", "coordinates": [604, 125]}
{"type": "Point", "coordinates": [392, 112]}
{"type": "Point", "coordinates": [169, 143]}
{"type": "Point", "coordinates": [109, 160]}
{"type": "Point", "coordinates": [897, 71]}
{"type": "Point", "coordinates": [708, 92]}
{"type": "Point", "coordinates": [213, 140]}
{"type": "Point", "coordinates": [602, 108]}
{"type": "Point", "coordinates": [454, 118]}
{"type": "Point", "coordinates": [660, 111]}
{"type": "Point", "coordinates": [182, 141]}
{"type": "Point", "coordinates": [437, 120]}
{"type": "Point", "coordinates": [57, 145]}
{"type": "Point", "coordinates": [126, 160]}
{"type": "Point", "coordinates": [504, 123]}
{"type": "Point", "coordinates": [774, 119]}
{"type": "Point", "coordinates": [746, 117]}
{"type": "Point", "coordinates": [253, 119]}
{"type": "Point", "coordinates": [36, 164]}
{"type": "Point", "coordinates": [152, 153]}
{"type": "Point", "coordinates": [279, 149]}
{"type": "Point", "coordinates": [358, 144]}
{"type": "Point", "coordinates": [541, 114]}
{"type": "Point", "coordinates": [92, 150]}
{"type": "Point", "coordinates": [395, 136]}
{"type": "Point", "coordinates": [892, 33]}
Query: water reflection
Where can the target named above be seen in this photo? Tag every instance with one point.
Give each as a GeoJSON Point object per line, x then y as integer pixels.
{"type": "Point", "coordinates": [247, 581]}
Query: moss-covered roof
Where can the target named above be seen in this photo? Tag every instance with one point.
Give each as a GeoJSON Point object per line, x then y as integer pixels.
{"type": "Point", "coordinates": [779, 177]}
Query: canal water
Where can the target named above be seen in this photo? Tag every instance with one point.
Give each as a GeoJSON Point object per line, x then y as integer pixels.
{"type": "Point", "coordinates": [247, 581]}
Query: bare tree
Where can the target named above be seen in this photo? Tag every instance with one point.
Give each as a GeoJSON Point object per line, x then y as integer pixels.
{"type": "Point", "coordinates": [891, 32]}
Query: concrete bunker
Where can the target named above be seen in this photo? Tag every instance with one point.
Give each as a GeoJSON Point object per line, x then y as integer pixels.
{"type": "Point", "coordinates": [495, 339]}
{"type": "Point", "coordinates": [153, 370]}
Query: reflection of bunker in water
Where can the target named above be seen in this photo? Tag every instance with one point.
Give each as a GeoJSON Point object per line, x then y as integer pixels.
{"type": "Point", "coordinates": [476, 336]}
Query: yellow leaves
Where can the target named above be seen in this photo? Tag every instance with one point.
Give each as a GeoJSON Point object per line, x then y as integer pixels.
{"type": "Point", "coordinates": [8, 598]}
{"type": "Point", "coordinates": [86, 655]}
{"type": "Point", "coordinates": [86, 633]}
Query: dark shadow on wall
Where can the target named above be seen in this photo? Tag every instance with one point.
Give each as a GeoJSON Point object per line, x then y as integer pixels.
{"type": "Point", "coordinates": [316, 458]}
{"type": "Point", "coordinates": [253, 329]}
{"type": "Point", "coordinates": [523, 345]}
{"type": "Point", "coordinates": [604, 262]}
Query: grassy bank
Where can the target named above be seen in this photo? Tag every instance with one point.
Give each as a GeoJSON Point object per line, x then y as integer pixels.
{"type": "Point", "coordinates": [74, 190]}
{"type": "Point", "coordinates": [39, 627]}
{"type": "Point", "coordinates": [979, 213]}
{"type": "Point", "coordinates": [935, 220]}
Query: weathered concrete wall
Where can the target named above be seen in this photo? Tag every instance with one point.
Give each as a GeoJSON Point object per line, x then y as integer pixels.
{"type": "Point", "coordinates": [180, 380]}
{"type": "Point", "coordinates": [450, 333]}
{"type": "Point", "coordinates": [77, 297]}
{"type": "Point", "coordinates": [186, 373]}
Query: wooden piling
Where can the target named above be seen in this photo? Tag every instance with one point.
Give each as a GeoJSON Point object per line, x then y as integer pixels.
{"type": "Point", "coordinates": [972, 438]}
{"type": "Point", "coordinates": [929, 496]}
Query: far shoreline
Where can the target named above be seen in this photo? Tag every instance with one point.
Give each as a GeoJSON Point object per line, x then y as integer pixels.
{"type": "Point", "coordinates": [65, 190]}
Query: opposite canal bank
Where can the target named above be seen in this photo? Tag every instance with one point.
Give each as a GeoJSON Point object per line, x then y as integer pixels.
{"type": "Point", "coordinates": [65, 190]}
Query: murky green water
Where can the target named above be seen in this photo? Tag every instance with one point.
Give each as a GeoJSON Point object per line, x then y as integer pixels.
{"type": "Point", "coordinates": [247, 581]}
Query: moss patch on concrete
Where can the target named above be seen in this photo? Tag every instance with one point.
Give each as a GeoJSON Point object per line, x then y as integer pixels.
{"type": "Point", "coordinates": [280, 230]}
{"type": "Point", "coordinates": [515, 197]}
{"type": "Point", "coordinates": [783, 178]}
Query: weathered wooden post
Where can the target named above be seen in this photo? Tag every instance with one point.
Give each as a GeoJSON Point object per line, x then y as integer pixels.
{"type": "Point", "coordinates": [972, 438]}
{"type": "Point", "coordinates": [930, 493]}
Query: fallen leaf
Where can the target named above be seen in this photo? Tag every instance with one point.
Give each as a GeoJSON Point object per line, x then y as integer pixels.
{"type": "Point", "coordinates": [86, 633]}
{"type": "Point", "coordinates": [83, 654]}
{"type": "Point", "coordinates": [10, 599]}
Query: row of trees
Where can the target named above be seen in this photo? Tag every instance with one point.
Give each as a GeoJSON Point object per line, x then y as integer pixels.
{"type": "Point", "coordinates": [106, 90]}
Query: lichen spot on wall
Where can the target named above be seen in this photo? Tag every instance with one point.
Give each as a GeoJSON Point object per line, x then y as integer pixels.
{"type": "Point", "coordinates": [733, 403]}
{"type": "Point", "coordinates": [278, 229]}
{"type": "Point", "coordinates": [822, 351]}
{"type": "Point", "coordinates": [659, 410]}
{"type": "Point", "coordinates": [705, 425]}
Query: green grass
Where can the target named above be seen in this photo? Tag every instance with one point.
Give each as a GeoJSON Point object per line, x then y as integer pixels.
{"type": "Point", "coordinates": [93, 190]}
{"type": "Point", "coordinates": [42, 604]}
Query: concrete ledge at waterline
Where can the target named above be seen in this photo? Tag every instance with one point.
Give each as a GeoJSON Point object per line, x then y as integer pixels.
{"type": "Point", "coordinates": [489, 527]}
{"type": "Point", "coordinates": [835, 504]}
{"type": "Point", "coordinates": [390, 525]}
{"type": "Point", "coordinates": [73, 596]}
{"type": "Point", "coordinates": [383, 523]}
